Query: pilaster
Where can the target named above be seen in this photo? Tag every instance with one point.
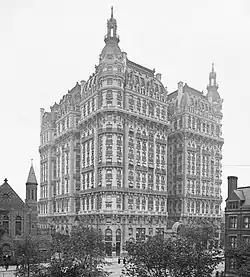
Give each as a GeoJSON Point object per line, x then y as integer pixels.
{"type": "Point", "coordinates": [71, 176]}
{"type": "Point", "coordinates": [50, 192]}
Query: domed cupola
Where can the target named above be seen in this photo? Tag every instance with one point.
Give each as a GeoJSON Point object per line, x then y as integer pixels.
{"type": "Point", "coordinates": [111, 39]}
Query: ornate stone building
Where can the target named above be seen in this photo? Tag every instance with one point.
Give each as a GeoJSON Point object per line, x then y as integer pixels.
{"type": "Point", "coordinates": [17, 218]}
{"type": "Point", "coordinates": [194, 153]}
{"type": "Point", "coordinates": [104, 151]}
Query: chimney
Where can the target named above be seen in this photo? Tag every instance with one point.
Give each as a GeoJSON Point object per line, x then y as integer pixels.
{"type": "Point", "coordinates": [232, 184]}
{"type": "Point", "coordinates": [124, 54]}
{"type": "Point", "coordinates": [42, 111]}
{"type": "Point", "coordinates": [180, 87]}
{"type": "Point", "coordinates": [158, 76]}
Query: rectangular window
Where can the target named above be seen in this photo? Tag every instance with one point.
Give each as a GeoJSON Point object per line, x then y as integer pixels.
{"type": "Point", "coordinates": [232, 263]}
{"type": "Point", "coordinates": [246, 221]}
{"type": "Point", "coordinates": [232, 241]}
{"type": "Point", "coordinates": [159, 232]}
{"type": "Point", "coordinates": [246, 240]}
{"type": "Point", "coordinates": [140, 234]}
{"type": "Point", "coordinates": [233, 222]}
{"type": "Point", "coordinates": [109, 82]}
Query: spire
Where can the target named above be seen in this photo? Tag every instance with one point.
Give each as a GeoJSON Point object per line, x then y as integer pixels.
{"type": "Point", "coordinates": [111, 11]}
{"type": "Point", "coordinates": [32, 175]}
{"type": "Point", "coordinates": [212, 87]}
{"type": "Point", "coordinates": [212, 78]}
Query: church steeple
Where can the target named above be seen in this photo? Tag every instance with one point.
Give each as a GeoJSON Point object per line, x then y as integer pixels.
{"type": "Point", "coordinates": [32, 175]}
{"type": "Point", "coordinates": [31, 186]}
{"type": "Point", "coordinates": [111, 29]}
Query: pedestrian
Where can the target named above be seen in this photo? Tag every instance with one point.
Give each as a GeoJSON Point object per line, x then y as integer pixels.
{"type": "Point", "coordinates": [124, 260]}
{"type": "Point", "coordinates": [6, 266]}
{"type": "Point", "coordinates": [119, 260]}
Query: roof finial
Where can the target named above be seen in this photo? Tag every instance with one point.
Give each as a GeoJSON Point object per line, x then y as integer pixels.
{"type": "Point", "coordinates": [213, 67]}
{"type": "Point", "coordinates": [31, 162]}
{"type": "Point", "coordinates": [5, 180]}
{"type": "Point", "coordinates": [111, 11]}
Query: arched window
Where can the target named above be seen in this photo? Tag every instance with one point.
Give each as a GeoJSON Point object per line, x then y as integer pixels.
{"type": "Point", "coordinates": [18, 225]}
{"type": "Point", "coordinates": [6, 224]}
{"type": "Point", "coordinates": [108, 235]}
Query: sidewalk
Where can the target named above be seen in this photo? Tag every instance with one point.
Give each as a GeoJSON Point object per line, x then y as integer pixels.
{"type": "Point", "coordinates": [9, 273]}
{"type": "Point", "coordinates": [115, 268]}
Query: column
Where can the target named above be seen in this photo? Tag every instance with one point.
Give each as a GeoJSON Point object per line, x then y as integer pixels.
{"type": "Point", "coordinates": [184, 163]}
{"type": "Point", "coordinates": [50, 192]}
{"type": "Point", "coordinates": [96, 154]}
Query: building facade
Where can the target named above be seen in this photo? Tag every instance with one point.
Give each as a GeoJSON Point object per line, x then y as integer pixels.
{"type": "Point", "coordinates": [17, 218]}
{"type": "Point", "coordinates": [237, 223]}
{"type": "Point", "coordinates": [104, 151]}
{"type": "Point", "coordinates": [194, 154]}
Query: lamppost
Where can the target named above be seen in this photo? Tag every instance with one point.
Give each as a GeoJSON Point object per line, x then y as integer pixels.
{"type": "Point", "coordinates": [6, 257]}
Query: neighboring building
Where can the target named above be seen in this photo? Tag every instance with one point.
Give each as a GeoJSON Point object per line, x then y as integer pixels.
{"type": "Point", "coordinates": [104, 152]}
{"type": "Point", "coordinates": [237, 222]}
{"type": "Point", "coordinates": [194, 154]}
{"type": "Point", "coordinates": [17, 218]}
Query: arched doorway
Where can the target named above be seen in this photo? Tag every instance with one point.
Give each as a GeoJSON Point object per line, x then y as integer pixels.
{"type": "Point", "coordinates": [118, 242]}
{"type": "Point", "coordinates": [108, 242]}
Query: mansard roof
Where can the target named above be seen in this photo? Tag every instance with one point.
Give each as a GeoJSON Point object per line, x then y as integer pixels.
{"type": "Point", "coordinates": [242, 194]}
{"type": "Point", "coordinates": [148, 71]}
{"type": "Point", "coordinates": [245, 195]}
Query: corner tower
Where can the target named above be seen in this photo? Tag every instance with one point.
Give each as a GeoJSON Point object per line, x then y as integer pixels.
{"type": "Point", "coordinates": [123, 137]}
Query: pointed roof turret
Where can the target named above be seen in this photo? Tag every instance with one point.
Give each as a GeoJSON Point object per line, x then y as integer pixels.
{"type": "Point", "coordinates": [111, 29]}
{"type": "Point", "coordinates": [32, 176]}
{"type": "Point", "coordinates": [212, 87]}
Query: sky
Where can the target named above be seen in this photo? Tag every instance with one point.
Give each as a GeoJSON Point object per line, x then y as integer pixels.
{"type": "Point", "coordinates": [47, 46]}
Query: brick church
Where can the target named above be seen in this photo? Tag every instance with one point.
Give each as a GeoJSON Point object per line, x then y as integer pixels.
{"type": "Point", "coordinates": [18, 218]}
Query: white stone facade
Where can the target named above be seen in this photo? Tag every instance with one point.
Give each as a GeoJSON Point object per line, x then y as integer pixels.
{"type": "Point", "coordinates": [111, 149]}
